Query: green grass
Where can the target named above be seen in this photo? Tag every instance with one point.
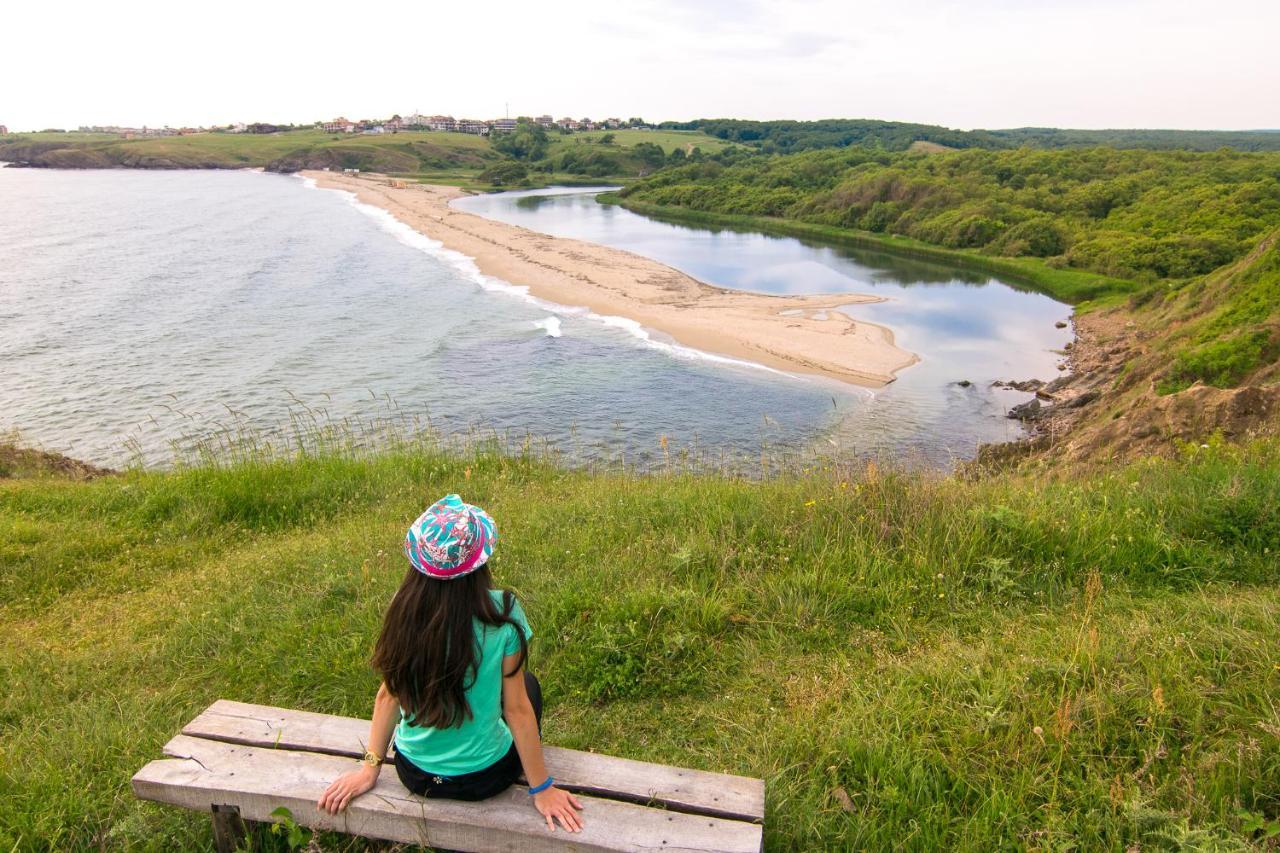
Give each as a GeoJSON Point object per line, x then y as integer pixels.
{"type": "Point", "coordinates": [1221, 330]}
{"type": "Point", "coordinates": [1046, 660]}
{"type": "Point", "coordinates": [1066, 285]}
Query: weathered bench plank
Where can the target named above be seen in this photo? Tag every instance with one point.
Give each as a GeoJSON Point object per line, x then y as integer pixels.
{"type": "Point", "coordinates": [693, 791]}
{"type": "Point", "coordinates": [258, 780]}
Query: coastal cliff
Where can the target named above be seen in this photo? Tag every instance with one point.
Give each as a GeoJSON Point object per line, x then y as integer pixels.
{"type": "Point", "coordinates": [1187, 365]}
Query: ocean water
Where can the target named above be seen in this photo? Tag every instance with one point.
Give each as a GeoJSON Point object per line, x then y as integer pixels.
{"type": "Point", "coordinates": [141, 312]}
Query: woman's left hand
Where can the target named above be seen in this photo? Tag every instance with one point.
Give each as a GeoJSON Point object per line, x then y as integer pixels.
{"type": "Point", "coordinates": [556, 804]}
{"type": "Point", "coordinates": [347, 787]}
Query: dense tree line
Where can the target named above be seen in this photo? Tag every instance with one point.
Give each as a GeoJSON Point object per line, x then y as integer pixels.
{"type": "Point", "coordinates": [1161, 140]}
{"type": "Point", "coordinates": [528, 142]}
{"type": "Point", "coordinates": [790, 136]}
{"type": "Point", "coordinates": [794, 136]}
{"type": "Point", "coordinates": [1129, 213]}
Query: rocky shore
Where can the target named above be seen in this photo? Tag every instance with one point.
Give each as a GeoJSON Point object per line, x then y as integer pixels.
{"type": "Point", "coordinates": [17, 462]}
{"type": "Point", "coordinates": [1105, 406]}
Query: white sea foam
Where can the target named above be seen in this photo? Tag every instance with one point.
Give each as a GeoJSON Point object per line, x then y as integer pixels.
{"type": "Point", "coordinates": [466, 265]}
{"type": "Point", "coordinates": [679, 350]}
{"type": "Point", "coordinates": [551, 325]}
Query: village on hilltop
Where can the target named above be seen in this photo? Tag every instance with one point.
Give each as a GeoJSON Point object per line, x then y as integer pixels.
{"type": "Point", "coordinates": [395, 124]}
{"type": "Point", "coordinates": [480, 127]}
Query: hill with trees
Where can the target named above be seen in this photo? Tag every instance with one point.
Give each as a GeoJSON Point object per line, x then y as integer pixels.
{"type": "Point", "coordinates": [791, 136]}
{"type": "Point", "coordinates": [1142, 215]}
{"type": "Point", "coordinates": [1176, 249]}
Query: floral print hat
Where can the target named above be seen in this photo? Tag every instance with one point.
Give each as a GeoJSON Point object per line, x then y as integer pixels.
{"type": "Point", "coordinates": [450, 539]}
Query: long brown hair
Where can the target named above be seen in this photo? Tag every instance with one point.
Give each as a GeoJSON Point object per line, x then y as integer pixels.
{"type": "Point", "coordinates": [427, 652]}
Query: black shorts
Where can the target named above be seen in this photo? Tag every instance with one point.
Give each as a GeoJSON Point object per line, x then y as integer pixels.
{"type": "Point", "coordinates": [481, 784]}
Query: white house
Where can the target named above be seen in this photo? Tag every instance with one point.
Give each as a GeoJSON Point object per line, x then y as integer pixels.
{"type": "Point", "coordinates": [339, 125]}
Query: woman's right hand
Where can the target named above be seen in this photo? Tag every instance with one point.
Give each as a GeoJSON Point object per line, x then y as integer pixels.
{"type": "Point", "coordinates": [560, 805]}
{"type": "Point", "coordinates": [347, 787]}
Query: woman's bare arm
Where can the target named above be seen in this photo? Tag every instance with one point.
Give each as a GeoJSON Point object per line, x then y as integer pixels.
{"type": "Point", "coordinates": [348, 786]}
{"type": "Point", "coordinates": [552, 802]}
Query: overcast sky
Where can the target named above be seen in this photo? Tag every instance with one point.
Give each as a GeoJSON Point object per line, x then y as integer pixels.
{"type": "Point", "coordinates": [977, 63]}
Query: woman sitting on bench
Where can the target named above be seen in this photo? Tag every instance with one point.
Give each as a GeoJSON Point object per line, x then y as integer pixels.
{"type": "Point", "coordinates": [465, 714]}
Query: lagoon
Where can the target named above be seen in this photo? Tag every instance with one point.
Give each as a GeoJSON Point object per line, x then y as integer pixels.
{"type": "Point", "coordinates": [964, 325]}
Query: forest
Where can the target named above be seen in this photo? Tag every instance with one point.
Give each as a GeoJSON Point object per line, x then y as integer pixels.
{"type": "Point", "coordinates": [793, 136]}
{"type": "Point", "coordinates": [1133, 214]}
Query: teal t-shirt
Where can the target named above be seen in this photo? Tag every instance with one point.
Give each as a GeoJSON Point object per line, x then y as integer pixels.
{"type": "Point", "coordinates": [484, 738]}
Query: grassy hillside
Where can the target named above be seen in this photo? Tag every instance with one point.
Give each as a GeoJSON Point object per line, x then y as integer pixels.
{"type": "Point", "coordinates": [1177, 361]}
{"type": "Point", "coordinates": [1224, 329]}
{"type": "Point", "coordinates": [912, 662]}
{"type": "Point", "coordinates": [392, 153]}
{"type": "Point", "coordinates": [453, 158]}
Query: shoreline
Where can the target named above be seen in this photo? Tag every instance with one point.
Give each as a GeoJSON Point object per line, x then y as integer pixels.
{"type": "Point", "coordinates": [1072, 287]}
{"type": "Point", "coordinates": [795, 334]}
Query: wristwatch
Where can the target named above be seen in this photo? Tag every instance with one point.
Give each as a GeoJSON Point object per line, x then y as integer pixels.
{"type": "Point", "coordinates": [371, 759]}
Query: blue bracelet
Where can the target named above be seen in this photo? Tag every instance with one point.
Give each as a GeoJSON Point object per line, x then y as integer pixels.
{"type": "Point", "coordinates": [544, 786]}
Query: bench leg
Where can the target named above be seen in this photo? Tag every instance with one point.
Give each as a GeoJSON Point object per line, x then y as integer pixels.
{"type": "Point", "coordinates": [228, 829]}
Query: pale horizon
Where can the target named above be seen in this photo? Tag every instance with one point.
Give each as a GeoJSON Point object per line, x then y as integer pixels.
{"type": "Point", "coordinates": [988, 64]}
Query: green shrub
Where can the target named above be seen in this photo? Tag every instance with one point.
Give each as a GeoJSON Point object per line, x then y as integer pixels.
{"type": "Point", "coordinates": [1040, 237]}
{"type": "Point", "coordinates": [1222, 363]}
{"type": "Point", "coordinates": [504, 174]}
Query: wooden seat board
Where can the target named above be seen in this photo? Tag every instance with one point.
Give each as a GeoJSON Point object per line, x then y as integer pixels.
{"type": "Point", "coordinates": [257, 780]}
{"type": "Point", "coordinates": [680, 789]}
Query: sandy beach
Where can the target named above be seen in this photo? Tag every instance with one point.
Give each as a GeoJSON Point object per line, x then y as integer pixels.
{"type": "Point", "coordinates": [797, 334]}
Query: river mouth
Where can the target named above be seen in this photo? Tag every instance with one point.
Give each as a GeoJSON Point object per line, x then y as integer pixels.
{"type": "Point", "coordinates": [148, 314]}
{"type": "Point", "coordinates": [968, 328]}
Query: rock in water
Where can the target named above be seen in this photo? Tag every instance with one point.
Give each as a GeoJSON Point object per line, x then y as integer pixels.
{"type": "Point", "coordinates": [1028, 411]}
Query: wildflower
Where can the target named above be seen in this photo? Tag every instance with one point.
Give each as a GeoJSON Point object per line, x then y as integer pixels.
{"type": "Point", "coordinates": [810, 503]}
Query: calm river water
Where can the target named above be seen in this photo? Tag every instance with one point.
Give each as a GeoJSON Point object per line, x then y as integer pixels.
{"type": "Point", "coordinates": [141, 311]}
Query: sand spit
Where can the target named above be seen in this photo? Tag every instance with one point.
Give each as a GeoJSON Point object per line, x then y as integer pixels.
{"type": "Point", "coordinates": [798, 334]}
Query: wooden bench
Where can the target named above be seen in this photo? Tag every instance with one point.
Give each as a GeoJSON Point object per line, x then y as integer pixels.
{"type": "Point", "coordinates": [242, 762]}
